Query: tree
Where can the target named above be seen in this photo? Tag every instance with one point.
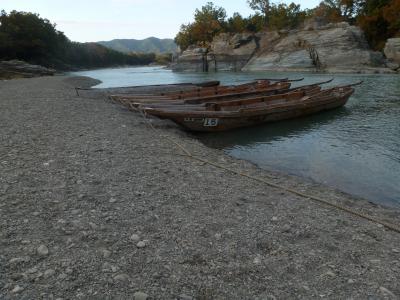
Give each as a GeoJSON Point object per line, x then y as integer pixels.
{"type": "Point", "coordinates": [391, 14]}
{"type": "Point", "coordinates": [185, 37]}
{"type": "Point", "coordinates": [208, 22]}
{"type": "Point", "coordinates": [236, 24]}
{"type": "Point", "coordinates": [261, 6]}
{"type": "Point", "coordinates": [286, 16]}
{"type": "Point", "coordinates": [27, 36]}
{"type": "Point", "coordinates": [375, 18]}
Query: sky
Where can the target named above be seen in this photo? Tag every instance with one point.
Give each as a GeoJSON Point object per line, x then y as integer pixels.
{"type": "Point", "coordinates": [99, 20]}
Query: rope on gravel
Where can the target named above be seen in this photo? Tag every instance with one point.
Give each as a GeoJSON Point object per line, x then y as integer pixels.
{"type": "Point", "coordinates": [391, 226]}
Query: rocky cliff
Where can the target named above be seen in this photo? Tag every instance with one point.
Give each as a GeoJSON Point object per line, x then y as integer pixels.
{"type": "Point", "coordinates": [331, 48]}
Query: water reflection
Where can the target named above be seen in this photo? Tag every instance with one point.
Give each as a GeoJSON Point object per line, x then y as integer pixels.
{"type": "Point", "coordinates": [268, 133]}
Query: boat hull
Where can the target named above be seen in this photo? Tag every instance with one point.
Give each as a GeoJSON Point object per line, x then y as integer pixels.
{"type": "Point", "coordinates": [210, 123]}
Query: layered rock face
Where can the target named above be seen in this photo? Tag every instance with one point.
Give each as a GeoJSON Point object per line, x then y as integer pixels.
{"type": "Point", "coordinates": [335, 47]}
{"type": "Point", "coordinates": [392, 52]}
{"type": "Point", "coordinates": [21, 69]}
{"type": "Point", "coordinates": [231, 53]}
{"type": "Point", "coordinates": [331, 48]}
{"type": "Point", "coordinates": [192, 60]}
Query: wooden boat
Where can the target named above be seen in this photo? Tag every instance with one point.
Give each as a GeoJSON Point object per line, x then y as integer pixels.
{"type": "Point", "coordinates": [269, 90]}
{"type": "Point", "coordinates": [241, 113]}
{"type": "Point", "coordinates": [201, 106]}
{"type": "Point", "coordinates": [200, 92]}
{"type": "Point", "coordinates": [277, 88]}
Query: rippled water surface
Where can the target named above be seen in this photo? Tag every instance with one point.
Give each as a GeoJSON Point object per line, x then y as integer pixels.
{"type": "Point", "coordinates": [355, 148]}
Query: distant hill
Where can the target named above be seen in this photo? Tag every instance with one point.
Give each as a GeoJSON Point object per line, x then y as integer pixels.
{"type": "Point", "coordinates": [150, 44]}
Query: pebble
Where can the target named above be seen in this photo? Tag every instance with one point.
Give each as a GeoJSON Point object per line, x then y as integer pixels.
{"type": "Point", "coordinates": [49, 272]}
{"type": "Point", "coordinates": [17, 289]}
{"type": "Point", "coordinates": [18, 260]}
{"type": "Point", "coordinates": [185, 297]}
{"type": "Point", "coordinates": [140, 296]}
{"type": "Point", "coordinates": [114, 269]}
{"type": "Point", "coordinates": [32, 270]}
{"type": "Point", "coordinates": [16, 276]}
{"type": "Point", "coordinates": [286, 228]}
{"type": "Point", "coordinates": [274, 219]}
{"type": "Point", "coordinates": [106, 253]}
{"type": "Point", "coordinates": [330, 274]}
{"type": "Point", "coordinates": [350, 281]}
{"type": "Point", "coordinates": [387, 292]}
{"type": "Point", "coordinates": [141, 244]}
{"type": "Point", "coordinates": [112, 200]}
{"type": "Point", "coordinates": [375, 261]}
{"type": "Point", "coordinates": [257, 260]}
{"type": "Point", "coordinates": [93, 226]}
{"type": "Point", "coordinates": [395, 251]}
{"type": "Point", "coordinates": [42, 250]}
{"type": "Point", "coordinates": [121, 277]}
{"type": "Point", "coordinates": [135, 238]}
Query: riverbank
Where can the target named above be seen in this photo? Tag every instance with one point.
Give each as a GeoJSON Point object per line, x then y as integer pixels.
{"type": "Point", "coordinates": [95, 204]}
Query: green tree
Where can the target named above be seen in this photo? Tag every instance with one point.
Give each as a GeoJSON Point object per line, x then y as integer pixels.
{"type": "Point", "coordinates": [236, 23]}
{"type": "Point", "coordinates": [185, 37]}
{"type": "Point", "coordinates": [29, 37]}
{"type": "Point", "coordinates": [261, 6]}
{"type": "Point", "coordinates": [286, 16]}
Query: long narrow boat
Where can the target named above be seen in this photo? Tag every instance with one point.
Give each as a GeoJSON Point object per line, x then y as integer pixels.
{"type": "Point", "coordinates": [269, 90]}
{"type": "Point", "coordinates": [274, 89]}
{"type": "Point", "coordinates": [227, 116]}
{"type": "Point", "coordinates": [218, 103]}
{"type": "Point", "coordinates": [199, 92]}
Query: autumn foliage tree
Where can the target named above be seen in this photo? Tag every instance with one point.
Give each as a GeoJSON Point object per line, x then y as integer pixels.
{"type": "Point", "coordinates": [208, 22]}
{"type": "Point", "coordinates": [380, 20]}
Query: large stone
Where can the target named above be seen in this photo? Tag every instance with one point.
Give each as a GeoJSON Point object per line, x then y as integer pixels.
{"type": "Point", "coordinates": [337, 46]}
{"type": "Point", "coordinates": [21, 69]}
{"type": "Point", "coordinates": [392, 52]}
{"type": "Point", "coordinates": [193, 59]}
{"type": "Point", "coordinates": [231, 53]}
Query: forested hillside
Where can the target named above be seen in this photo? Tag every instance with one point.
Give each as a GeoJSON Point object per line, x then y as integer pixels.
{"type": "Point", "coordinates": [27, 36]}
{"type": "Point", "coordinates": [151, 44]}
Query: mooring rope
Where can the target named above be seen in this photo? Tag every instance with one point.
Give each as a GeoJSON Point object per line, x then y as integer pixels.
{"type": "Point", "coordinates": [340, 207]}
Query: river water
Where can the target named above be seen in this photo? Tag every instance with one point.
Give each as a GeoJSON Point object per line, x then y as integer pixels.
{"type": "Point", "coordinates": [355, 149]}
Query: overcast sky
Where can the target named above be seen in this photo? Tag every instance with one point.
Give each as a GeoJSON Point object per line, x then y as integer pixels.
{"type": "Point", "coordinates": [95, 20]}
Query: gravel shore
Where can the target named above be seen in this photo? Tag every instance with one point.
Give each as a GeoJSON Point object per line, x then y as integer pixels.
{"type": "Point", "coordinates": [94, 204]}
